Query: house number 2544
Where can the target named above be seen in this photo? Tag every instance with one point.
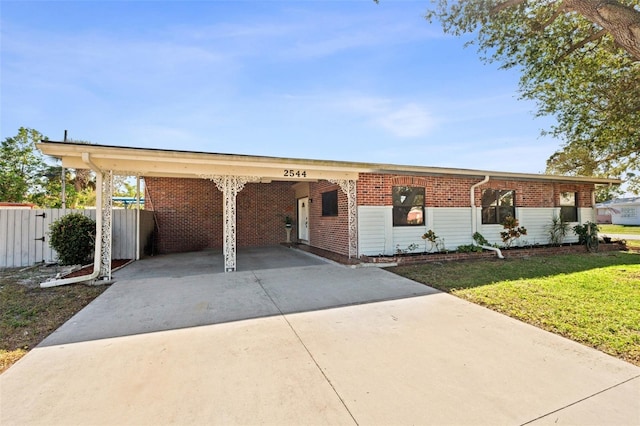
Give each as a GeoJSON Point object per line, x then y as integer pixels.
{"type": "Point", "coordinates": [295, 173]}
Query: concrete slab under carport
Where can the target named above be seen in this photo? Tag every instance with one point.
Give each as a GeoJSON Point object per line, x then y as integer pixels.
{"type": "Point", "coordinates": [180, 291]}
{"type": "Point", "coordinates": [417, 359]}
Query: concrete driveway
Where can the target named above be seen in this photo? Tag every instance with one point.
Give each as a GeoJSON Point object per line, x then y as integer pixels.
{"type": "Point", "coordinates": [172, 342]}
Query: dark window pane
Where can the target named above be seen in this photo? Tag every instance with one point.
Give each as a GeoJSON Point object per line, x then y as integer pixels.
{"type": "Point", "coordinates": [330, 203]}
{"type": "Point", "coordinates": [408, 206]}
{"type": "Point", "coordinates": [569, 214]}
{"type": "Point", "coordinates": [568, 207]}
{"type": "Point", "coordinates": [497, 205]}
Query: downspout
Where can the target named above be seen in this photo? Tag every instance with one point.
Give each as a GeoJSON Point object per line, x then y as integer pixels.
{"type": "Point", "coordinates": [137, 217]}
{"type": "Point", "coordinates": [474, 216]}
{"type": "Point", "coordinates": [98, 241]}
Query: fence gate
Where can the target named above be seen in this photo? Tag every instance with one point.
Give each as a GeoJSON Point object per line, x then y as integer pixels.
{"type": "Point", "coordinates": [24, 234]}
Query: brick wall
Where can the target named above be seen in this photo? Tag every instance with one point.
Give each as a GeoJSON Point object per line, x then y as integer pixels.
{"type": "Point", "coordinates": [332, 232]}
{"type": "Point", "coordinates": [449, 191]}
{"type": "Point", "coordinates": [190, 216]}
{"type": "Point", "coordinates": [189, 211]}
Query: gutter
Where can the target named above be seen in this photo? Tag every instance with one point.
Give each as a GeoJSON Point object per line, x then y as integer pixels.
{"type": "Point", "coordinates": [98, 242]}
{"type": "Point", "coordinates": [474, 216]}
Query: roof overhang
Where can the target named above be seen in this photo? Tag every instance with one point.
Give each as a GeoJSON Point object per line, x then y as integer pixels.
{"type": "Point", "coordinates": [188, 164]}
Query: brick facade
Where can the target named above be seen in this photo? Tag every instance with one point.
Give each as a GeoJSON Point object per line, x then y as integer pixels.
{"type": "Point", "coordinates": [190, 217]}
{"type": "Point", "coordinates": [375, 189]}
{"type": "Point", "coordinates": [189, 213]}
{"type": "Point", "coordinates": [332, 232]}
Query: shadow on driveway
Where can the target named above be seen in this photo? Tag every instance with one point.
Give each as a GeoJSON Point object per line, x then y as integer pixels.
{"type": "Point", "coordinates": [190, 289]}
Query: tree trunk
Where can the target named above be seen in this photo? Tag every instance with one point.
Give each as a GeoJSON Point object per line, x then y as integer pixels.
{"type": "Point", "coordinates": [621, 21]}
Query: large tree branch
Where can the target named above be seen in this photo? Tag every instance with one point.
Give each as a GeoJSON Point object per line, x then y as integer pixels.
{"type": "Point", "coordinates": [505, 5]}
{"type": "Point", "coordinates": [619, 20]}
{"type": "Point", "coordinates": [593, 37]}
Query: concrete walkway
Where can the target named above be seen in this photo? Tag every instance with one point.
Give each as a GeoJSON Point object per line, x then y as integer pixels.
{"type": "Point", "coordinates": [311, 344]}
{"type": "Point", "coordinates": [619, 236]}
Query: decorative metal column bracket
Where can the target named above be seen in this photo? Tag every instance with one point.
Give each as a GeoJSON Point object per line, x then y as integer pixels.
{"type": "Point", "coordinates": [107, 214]}
{"type": "Point", "coordinates": [230, 186]}
{"type": "Point", "coordinates": [349, 187]}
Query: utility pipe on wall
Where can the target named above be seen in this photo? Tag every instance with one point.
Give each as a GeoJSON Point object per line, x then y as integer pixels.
{"type": "Point", "coordinates": [474, 216]}
{"type": "Point", "coordinates": [98, 242]}
{"type": "Point", "coordinates": [137, 217]}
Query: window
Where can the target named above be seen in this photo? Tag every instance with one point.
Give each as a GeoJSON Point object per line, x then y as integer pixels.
{"type": "Point", "coordinates": [569, 206]}
{"type": "Point", "coordinates": [330, 203]}
{"type": "Point", "coordinates": [497, 205]}
{"type": "Point", "coordinates": [408, 206]}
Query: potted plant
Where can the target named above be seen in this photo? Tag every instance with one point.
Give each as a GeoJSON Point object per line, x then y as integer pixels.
{"type": "Point", "coordinates": [288, 223]}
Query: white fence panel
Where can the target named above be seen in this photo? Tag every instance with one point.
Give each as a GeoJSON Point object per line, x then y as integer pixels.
{"type": "Point", "coordinates": [22, 230]}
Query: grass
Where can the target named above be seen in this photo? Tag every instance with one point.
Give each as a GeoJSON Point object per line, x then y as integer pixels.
{"type": "Point", "coordinates": [28, 313]}
{"type": "Point", "coordinates": [620, 229]}
{"type": "Point", "coordinates": [593, 299]}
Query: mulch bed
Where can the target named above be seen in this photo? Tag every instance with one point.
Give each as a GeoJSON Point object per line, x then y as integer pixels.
{"type": "Point", "coordinates": [86, 270]}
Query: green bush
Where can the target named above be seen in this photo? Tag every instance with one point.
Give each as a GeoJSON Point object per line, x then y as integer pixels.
{"type": "Point", "coordinates": [469, 248]}
{"type": "Point", "coordinates": [73, 237]}
{"type": "Point", "coordinates": [587, 235]}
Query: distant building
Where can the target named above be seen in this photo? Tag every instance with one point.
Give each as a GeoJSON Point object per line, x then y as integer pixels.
{"type": "Point", "coordinates": [621, 211]}
{"type": "Point", "coordinates": [5, 205]}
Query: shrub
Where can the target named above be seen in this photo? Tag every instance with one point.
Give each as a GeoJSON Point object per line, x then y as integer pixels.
{"type": "Point", "coordinates": [480, 239]}
{"type": "Point", "coordinates": [513, 231]}
{"type": "Point", "coordinates": [73, 237]}
{"type": "Point", "coordinates": [432, 238]}
{"type": "Point", "coordinates": [469, 248]}
{"type": "Point", "coordinates": [587, 235]}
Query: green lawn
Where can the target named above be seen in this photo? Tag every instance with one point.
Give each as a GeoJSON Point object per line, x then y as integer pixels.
{"type": "Point", "coordinates": [593, 299]}
{"type": "Point", "coordinates": [620, 229]}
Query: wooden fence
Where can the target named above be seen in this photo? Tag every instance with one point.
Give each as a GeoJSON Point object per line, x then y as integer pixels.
{"type": "Point", "coordinates": [24, 234]}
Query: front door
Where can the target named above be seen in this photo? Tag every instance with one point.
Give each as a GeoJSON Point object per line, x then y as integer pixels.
{"type": "Point", "coordinates": [303, 219]}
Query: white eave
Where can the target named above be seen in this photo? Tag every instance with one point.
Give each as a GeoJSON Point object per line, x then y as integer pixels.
{"type": "Point", "coordinates": [188, 164]}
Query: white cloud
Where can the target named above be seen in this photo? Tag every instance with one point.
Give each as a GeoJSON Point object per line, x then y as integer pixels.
{"type": "Point", "coordinates": [408, 121]}
{"type": "Point", "coordinates": [404, 119]}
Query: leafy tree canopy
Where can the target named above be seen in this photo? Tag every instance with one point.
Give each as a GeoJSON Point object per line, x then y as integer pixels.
{"type": "Point", "coordinates": [580, 62]}
{"type": "Point", "coordinates": [21, 165]}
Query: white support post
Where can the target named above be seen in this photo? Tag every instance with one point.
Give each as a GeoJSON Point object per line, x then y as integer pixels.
{"type": "Point", "coordinates": [349, 187]}
{"type": "Point", "coordinates": [230, 186]}
{"type": "Point", "coordinates": [107, 214]}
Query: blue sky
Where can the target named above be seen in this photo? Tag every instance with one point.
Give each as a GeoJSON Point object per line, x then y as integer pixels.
{"type": "Point", "coordinates": [340, 80]}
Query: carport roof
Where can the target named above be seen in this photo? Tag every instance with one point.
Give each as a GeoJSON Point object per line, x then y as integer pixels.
{"type": "Point", "coordinates": [192, 164]}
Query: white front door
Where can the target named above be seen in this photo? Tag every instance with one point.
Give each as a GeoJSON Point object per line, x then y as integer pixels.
{"type": "Point", "coordinates": [303, 219]}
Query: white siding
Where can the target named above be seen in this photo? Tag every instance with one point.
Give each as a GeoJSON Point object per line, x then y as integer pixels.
{"type": "Point", "coordinates": [453, 224]}
{"type": "Point", "coordinates": [625, 215]}
{"type": "Point", "coordinates": [374, 230]}
{"type": "Point", "coordinates": [377, 235]}
{"type": "Point", "coordinates": [537, 221]}
{"type": "Point", "coordinates": [404, 236]}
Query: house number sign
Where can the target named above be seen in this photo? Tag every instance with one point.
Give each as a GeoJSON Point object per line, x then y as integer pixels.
{"type": "Point", "coordinates": [295, 173]}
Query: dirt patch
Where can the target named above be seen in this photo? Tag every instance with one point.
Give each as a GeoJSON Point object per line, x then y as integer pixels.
{"type": "Point", "coordinates": [29, 313]}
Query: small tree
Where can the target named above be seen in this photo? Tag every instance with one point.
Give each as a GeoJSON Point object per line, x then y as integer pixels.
{"type": "Point", "coordinates": [73, 237]}
{"type": "Point", "coordinates": [557, 231]}
{"type": "Point", "coordinates": [512, 231]}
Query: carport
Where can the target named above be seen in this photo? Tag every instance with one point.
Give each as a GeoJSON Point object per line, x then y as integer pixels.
{"type": "Point", "coordinates": [230, 173]}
